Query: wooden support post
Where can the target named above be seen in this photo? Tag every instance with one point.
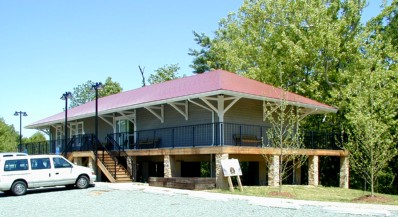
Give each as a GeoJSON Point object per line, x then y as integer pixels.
{"type": "Point", "coordinates": [231, 186]}
{"type": "Point", "coordinates": [240, 183]}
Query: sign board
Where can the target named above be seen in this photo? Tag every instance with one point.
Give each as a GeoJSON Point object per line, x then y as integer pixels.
{"type": "Point", "coordinates": [231, 167]}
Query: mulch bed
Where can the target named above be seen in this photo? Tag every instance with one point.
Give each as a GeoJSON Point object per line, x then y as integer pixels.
{"type": "Point", "coordinates": [374, 199]}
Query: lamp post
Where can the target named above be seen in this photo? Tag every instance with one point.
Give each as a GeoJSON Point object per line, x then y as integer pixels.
{"type": "Point", "coordinates": [95, 87]}
{"type": "Point", "coordinates": [20, 114]}
{"type": "Point", "coordinates": [66, 96]}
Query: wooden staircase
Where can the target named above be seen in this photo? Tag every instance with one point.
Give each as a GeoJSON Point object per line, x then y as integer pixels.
{"type": "Point", "coordinates": [107, 167]}
{"type": "Point", "coordinates": [121, 173]}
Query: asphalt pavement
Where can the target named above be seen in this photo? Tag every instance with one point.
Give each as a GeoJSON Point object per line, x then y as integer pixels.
{"type": "Point", "coordinates": [135, 199]}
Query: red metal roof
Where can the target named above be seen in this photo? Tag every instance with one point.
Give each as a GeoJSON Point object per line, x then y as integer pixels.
{"type": "Point", "coordinates": [218, 80]}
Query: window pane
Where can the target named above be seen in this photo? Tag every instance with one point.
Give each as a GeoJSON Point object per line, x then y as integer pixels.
{"type": "Point", "coordinates": [61, 163]}
{"type": "Point", "coordinates": [40, 163]}
{"type": "Point", "coordinates": [16, 165]}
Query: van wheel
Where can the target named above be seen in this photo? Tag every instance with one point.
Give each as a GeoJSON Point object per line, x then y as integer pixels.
{"type": "Point", "coordinates": [82, 182]}
{"type": "Point", "coordinates": [19, 188]}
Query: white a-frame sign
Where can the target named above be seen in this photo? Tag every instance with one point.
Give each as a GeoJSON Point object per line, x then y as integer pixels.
{"type": "Point", "coordinates": [230, 168]}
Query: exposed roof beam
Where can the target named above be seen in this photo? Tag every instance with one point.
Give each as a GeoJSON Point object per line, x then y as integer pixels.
{"type": "Point", "coordinates": [158, 111]}
{"type": "Point", "coordinates": [129, 116]}
{"type": "Point", "coordinates": [183, 111]}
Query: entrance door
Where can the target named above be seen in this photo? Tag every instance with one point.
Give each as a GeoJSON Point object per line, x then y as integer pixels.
{"type": "Point", "coordinates": [124, 133]}
{"type": "Point", "coordinates": [59, 137]}
{"type": "Point", "coordinates": [77, 130]}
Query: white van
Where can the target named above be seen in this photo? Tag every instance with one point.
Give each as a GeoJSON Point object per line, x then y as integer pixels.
{"type": "Point", "coordinates": [18, 173]}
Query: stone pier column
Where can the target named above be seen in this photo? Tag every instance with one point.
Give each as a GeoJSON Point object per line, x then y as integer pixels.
{"type": "Point", "coordinates": [172, 168]}
{"type": "Point", "coordinates": [313, 170]}
{"type": "Point", "coordinates": [221, 181]}
{"type": "Point", "coordinates": [90, 163]}
{"type": "Point", "coordinates": [273, 171]}
{"type": "Point", "coordinates": [132, 167]}
{"type": "Point", "coordinates": [167, 166]}
{"type": "Point", "coordinates": [344, 172]}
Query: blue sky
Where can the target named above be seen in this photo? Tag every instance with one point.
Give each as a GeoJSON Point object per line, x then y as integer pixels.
{"type": "Point", "coordinates": [48, 47]}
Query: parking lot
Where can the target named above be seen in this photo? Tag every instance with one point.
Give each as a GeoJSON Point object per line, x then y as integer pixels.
{"type": "Point", "coordinates": [106, 199]}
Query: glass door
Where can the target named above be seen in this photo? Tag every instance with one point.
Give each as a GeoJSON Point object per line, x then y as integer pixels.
{"type": "Point", "coordinates": [124, 133]}
{"type": "Point", "coordinates": [77, 131]}
{"type": "Point", "coordinates": [59, 137]}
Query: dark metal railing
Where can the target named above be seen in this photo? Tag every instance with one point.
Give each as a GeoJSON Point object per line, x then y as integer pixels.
{"type": "Point", "coordinates": [322, 140]}
{"type": "Point", "coordinates": [213, 134]}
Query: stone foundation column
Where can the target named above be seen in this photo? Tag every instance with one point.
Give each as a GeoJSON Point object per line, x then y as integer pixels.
{"type": "Point", "coordinates": [132, 167]}
{"type": "Point", "coordinates": [297, 174]}
{"type": "Point", "coordinates": [313, 170]}
{"type": "Point", "coordinates": [273, 171]}
{"type": "Point", "coordinates": [262, 173]}
{"type": "Point", "coordinates": [167, 167]}
{"type": "Point", "coordinates": [172, 168]}
{"type": "Point", "coordinates": [344, 172]}
{"type": "Point", "coordinates": [90, 163]}
{"type": "Point", "coordinates": [221, 181]}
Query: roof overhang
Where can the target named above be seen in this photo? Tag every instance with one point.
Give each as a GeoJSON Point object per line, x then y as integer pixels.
{"type": "Point", "coordinates": [314, 109]}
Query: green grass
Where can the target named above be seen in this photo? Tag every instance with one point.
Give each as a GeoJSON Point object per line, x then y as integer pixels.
{"type": "Point", "coordinates": [303, 192]}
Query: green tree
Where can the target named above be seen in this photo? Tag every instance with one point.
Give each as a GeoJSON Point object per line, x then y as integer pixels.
{"type": "Point", "coordinates": [386, 23]}
{"type": "Point", "coordinates": [8, 137]}
{"type": "Point", "coordinates": [371, 100]}
{"type": "Point", "coordinates": [312, 42]}
{"type": "Point", "coordinates": [83, 93]}
{"type": "Point", "coordinates": [165, 73]}
{"type": "Point", "coordinates": [36, 137]}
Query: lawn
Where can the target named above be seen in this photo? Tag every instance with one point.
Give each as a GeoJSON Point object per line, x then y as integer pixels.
{"type": "Point", "coordinates": [305, 192]}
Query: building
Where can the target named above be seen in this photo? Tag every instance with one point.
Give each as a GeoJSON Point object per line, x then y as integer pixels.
{"type": "Point", "coordinates": [172, 129]}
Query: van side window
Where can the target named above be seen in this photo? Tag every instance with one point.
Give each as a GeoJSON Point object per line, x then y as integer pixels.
{"type": "Point", "coordinates": [40, 163]}
{"type": "Point", "coordinates": [16, 165]}
{"type": "Point", "coordinates": [61, 163]}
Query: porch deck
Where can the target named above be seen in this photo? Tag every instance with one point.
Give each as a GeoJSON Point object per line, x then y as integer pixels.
{"type": "Point", "coordinates": [193, 136]}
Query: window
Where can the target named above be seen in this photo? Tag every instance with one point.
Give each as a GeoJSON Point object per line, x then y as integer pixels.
{"type": "Point", "coordinates": [40, 163]}
{"type": "Point", "coordinates": [61, 163]}
{"type": "Point", "coordinates": [16, 165]}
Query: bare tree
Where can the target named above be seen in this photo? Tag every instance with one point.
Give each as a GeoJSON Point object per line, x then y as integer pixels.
{"type": "Point", "coordinates": [142, 74]}
{"type": "Point", "coordinates": [284, 135]}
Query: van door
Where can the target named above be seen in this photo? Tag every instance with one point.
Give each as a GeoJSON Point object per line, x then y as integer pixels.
{"type": "Point", "coordinates": [63, 172]}
{"type": "Point", "coordinates": [41, 174]}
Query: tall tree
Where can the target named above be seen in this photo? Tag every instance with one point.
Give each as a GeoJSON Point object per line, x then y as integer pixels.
{"type": "Point", "coordinates": [83, 93]}
{"type": "Point", "coordinates": [165, 73]}
{"type": "Point", "coordinates": [371, 100]}
{"type": "Point", "coordinates": [8, 137]}
{"type": "Point", "coordinates": [312, 42]}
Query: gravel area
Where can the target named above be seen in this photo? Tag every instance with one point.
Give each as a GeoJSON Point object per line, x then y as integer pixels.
{"type": "Point", "coordinates": [106, 199]}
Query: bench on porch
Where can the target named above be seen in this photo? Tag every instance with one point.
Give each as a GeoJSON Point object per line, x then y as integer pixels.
{"type": "Point", "coordinates": [246, 139]}
{"type": "Point", "coordinates": [148, 143]}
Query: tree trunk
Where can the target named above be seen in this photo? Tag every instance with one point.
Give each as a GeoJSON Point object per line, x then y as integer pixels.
{"type": "Point", "coordinates": [372, 193]}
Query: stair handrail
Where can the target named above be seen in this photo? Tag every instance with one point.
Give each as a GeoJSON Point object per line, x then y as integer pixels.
{"type": "Point", "coordinates": [68, 146]}
{"type": "Point", "coordinates": [98, 145]}
{"type": "Point", "coordinates": [121, 152]}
